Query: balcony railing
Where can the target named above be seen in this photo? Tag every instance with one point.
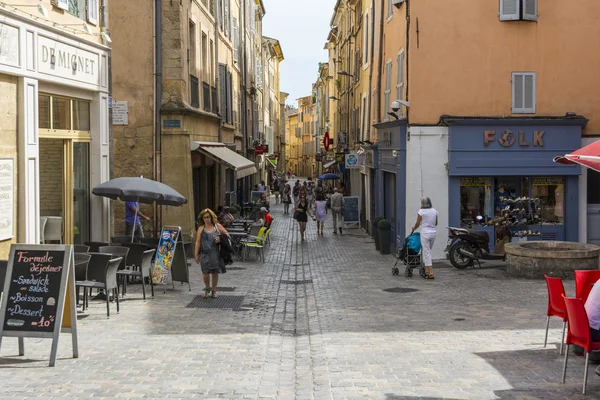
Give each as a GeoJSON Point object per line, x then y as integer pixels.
{"type": "Point", "coordinates": [194, 91]}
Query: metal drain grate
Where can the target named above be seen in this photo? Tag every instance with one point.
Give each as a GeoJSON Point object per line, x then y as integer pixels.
{"type": "Point", "coordinates": [300, 282]}
{"type": "Point", "coordinates": [235, 268]}
{"type": "Point", "coordinates": [226, 302]}
{"type": "Point", "coordinates": [400, 290]}
{"type": "Point", "coordinates": [225, 289]}
{"type": "Point", "coordinates": [297, 265]}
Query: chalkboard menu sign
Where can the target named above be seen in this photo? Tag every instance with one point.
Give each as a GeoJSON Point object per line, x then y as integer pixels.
{"type": "Point", "coordinates": [33, 290]}
{"type": "Point", "coordinates": [351, 211]}
{"type": "Point", "coordinates": [39, 286]}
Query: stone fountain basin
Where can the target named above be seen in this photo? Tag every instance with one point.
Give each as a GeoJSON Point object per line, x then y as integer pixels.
{"type": "Point", "coordinates": [534, 259]}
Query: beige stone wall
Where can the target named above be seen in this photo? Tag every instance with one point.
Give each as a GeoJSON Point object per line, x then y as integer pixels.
{"type": "Point", "coordinates": [133, 81]}
{"type": "Point", "coordinates": [51, 176]}
{"type": "Point", "coordinates": [8, 141]}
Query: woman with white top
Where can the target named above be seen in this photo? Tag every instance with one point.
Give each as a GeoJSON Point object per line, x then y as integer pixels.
{"type": "Point", "coordinates": [427, 219]}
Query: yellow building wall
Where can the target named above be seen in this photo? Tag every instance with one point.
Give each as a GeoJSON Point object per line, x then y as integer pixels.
{"type": "Point", "coordinates": [8, 144]}
{"type": "Point", "coordinates": [465, 58]}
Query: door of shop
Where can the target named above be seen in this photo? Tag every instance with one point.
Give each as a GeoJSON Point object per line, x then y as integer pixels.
{"type": "Point", "coordinates": [64, 130]}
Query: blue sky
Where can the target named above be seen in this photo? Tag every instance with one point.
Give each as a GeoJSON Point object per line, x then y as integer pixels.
{"type": "Point", "coordinates": [301, 26]}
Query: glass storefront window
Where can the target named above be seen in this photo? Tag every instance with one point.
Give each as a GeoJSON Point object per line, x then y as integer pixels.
{"type": "Point", "coordinates": [550, 191]}
{"type": "Point", "coordinates": [44, 111]}
{"type": "Point", "coordinates": [61, 113]}
{"type": "Point", "coordinates": [475, 200]}
{"type": "Point", "coordinates": [81, 115]}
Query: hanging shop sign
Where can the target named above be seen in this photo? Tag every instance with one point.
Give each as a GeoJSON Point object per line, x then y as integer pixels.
{"type": "Point", "coordinates": [326, 142]}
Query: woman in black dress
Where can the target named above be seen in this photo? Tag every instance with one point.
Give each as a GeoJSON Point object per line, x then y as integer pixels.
{"type": "Point", "coordinates": [302, 214]}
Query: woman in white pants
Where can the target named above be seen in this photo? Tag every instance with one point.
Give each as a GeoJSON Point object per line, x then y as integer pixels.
{"type": "Point", "coordinates": [427, 219]}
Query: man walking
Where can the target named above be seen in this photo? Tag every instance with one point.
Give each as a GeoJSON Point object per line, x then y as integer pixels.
{"type": "Point", "coordinates": [132, 222]}
{"type": "Point", "coordinates": [337, 210]}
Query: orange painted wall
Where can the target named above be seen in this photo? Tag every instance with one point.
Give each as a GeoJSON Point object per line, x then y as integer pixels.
{"type": "Point", "coordinates": [466, 55]}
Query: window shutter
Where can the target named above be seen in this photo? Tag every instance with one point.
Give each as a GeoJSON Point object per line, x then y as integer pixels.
{"type": "Point", "coordinates": [236, 44]}
{"type": "Point", "coordinates": [400, 78]}
{"type": "Point", "coordinates": [523, 93]}
{"type": "Point", "coordinates": [530, 10]}
{"type": "Point", "coordinates": [226, 24]}
{"type": "Point", "coordinates": [509, 10]}
{"type": "Point", "coordinates": [92, 11]}
{"type": "Point", "coordinates": [223, 91]}
{"type": "Point", "coordinates": [229, 98]}
{"type": "Point", "coordinates": [366, 40]}
{"type": "Point", "coordinates": [390, 9]}
{"type": "Point", "coordinates": [62, 4]}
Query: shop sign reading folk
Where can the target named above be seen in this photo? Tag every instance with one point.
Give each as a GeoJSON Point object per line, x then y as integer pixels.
{"type": "Point", "coordinates": [507, 138]}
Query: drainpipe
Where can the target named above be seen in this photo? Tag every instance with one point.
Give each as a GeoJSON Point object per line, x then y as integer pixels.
{"type": "Point", "coordinates": [379, 66]}
{"type": "Point", "coordinates": [406, 52]}
{"type": "Point", "coordinates": [157, 103]}
{"type": "Point", "coordinates": [103, 26]}
{"type": "Point", "coordinates": [243, 60]}
{"type": "Point", "coordinates": [371, 56]}
{"type": "Point", "coordinates": [219, 188]}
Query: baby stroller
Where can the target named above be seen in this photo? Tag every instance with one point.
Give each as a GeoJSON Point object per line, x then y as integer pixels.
{"type": "Point", "coordinates": [410, 254]}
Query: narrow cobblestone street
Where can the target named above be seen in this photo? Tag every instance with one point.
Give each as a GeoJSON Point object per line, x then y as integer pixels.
{"type": "Point", "coordinates": [314, 323]}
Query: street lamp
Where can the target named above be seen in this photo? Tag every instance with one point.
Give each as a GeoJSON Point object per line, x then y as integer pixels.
{"type": "Point", "coordinates": [333, 98]}
{"type": "Point", "coordinates": [344, 73]}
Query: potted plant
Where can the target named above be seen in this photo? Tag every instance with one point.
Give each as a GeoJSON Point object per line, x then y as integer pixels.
{"type": "Point", "coordinates": [384, 231]}
{"type": "Point", "coordinates": [375, 235]}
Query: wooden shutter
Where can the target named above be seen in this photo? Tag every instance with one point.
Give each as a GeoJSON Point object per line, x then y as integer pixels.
{"type": "Point", "coordinates": [236, 43]}
{"type": "Point", "coordinates": [366, 40]}
{"type": "Point", "coordinates": [226, 24]}
{"type": "Point", "coordinates": [523, 93]}
{"type": "Point", "coordinates": [509, 10]}
{"type": "Point", "coordinates": [223, 91]}
{"type": "Point", "coordinates": [388, 83]}
{"type": "Point", "coordinates": [530, 10]}
{"type": "Point", "coordinates": [229, 98]}
{"type": "Point", "coordinates": [92, 11]}
{"type": "Point", "coordinates": [62, 4]}
{"type": "Point", "coordinates": [400, 77]}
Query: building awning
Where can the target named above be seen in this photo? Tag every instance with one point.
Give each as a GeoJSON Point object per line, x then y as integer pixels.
{"type": "Point", "coordinates": [329, 164]}
{"type": "Point", "coordinates": [220, 153]}
{"type": "Point", "coordinates": [271, 164]}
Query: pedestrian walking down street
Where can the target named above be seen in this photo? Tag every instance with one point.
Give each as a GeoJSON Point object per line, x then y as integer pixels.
{"type": "Point", "coordinates": [287, 199]}
{"type": "Point", "coordinates": [296, 192]}
{"type": "Point", "coordinates": [207, 250]}
{"type": "Point", "coordinates": [320, 212]}
{"type": "Point", "coordinates": [427, 219]}
{"type": "Point", "coordinates": [309, 191]}
{"type": "Point", "coordinates": [301, 215]}
{"type": "Point", "coordinates": [337, 210]}
{"type": "Point", "coordinates": [132, 221]}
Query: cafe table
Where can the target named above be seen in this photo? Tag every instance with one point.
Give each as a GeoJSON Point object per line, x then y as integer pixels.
{"type": "Point", "coordinates": [236, 242]}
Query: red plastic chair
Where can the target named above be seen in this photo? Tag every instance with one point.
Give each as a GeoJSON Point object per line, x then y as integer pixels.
{"type": "Point", "coordinates": [584, 279]}
{"type": "Point", "coordinates": [579, 334]}
{"type": "Point", "coordinates": [556, 306]}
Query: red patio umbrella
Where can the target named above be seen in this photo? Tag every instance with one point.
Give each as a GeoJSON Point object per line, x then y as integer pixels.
{"type": "Point", "coordinates": [588, 156]}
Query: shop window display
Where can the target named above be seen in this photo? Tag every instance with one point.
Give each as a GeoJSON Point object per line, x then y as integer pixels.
{"type": "Point", "coordinates": [521, 202]}
{"type": "Point", "coordinates": [475, 195]}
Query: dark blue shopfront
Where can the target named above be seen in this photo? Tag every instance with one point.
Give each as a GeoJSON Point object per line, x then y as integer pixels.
{"type": "Point", "coordinates": [502, 171]}
{"type": "Point", "coordinates": [390, 176]}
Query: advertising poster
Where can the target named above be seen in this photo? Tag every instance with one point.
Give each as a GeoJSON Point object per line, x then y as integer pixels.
{"type": "Point", "coordinates": [164, 255]}
{"type": "Point", "coordinates": [351, 161]}
{"type": "Point", "coordinates": [7, 198]}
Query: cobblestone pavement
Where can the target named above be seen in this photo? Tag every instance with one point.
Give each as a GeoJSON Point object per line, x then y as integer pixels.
{"type": "Point", "coordinates": [314, 323]}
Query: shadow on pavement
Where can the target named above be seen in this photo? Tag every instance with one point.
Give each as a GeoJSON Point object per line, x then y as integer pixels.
{"type": "Point", "coordinates": [544, 367]}
{"type": "Point", "coordinates": [395, 397]}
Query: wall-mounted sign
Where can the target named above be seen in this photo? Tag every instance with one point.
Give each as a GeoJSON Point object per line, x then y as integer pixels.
{"type": "Point", "coordinates": [7, 197]}
{"type": "Point", "coordinates": [120, 114]}
{"type": "Point", "coordinates": [351, 161]}
{"type": "Point", "coordinates": [507, 138]}
{"type": "Point", "coordinates": [339, 158]}
{"type": "Point", "coordinates": [258, 150]}
{"type": "Point", "coordinates": [59, 59]}
{"type": "Point", "coordinates": [172, 123]}
{"type": "Point", "coordinates": [9, 45]}
{"type": "Point", "coordinates": [326, 142]}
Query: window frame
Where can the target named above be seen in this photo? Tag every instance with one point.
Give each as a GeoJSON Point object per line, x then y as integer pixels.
{"type": "Point", "coordinates": [523, 110]}
{"type": "Point", "coordinates": [51, 132]}
{"type": "Point", "coordinates": [388, 90]}
{"type": "Point", "coordinates": [400, 75]}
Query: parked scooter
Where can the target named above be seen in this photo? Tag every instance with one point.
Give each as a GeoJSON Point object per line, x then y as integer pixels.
{"type": "Point", "coordinates": [467, 246]}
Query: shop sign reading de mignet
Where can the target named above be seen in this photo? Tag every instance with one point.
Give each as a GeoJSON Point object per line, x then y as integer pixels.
{"type": "Point", "coordinates": [66, 61]}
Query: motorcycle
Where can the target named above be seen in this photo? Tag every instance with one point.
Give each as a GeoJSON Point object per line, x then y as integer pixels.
{"type": "Point", "coordinates": [466, 246]}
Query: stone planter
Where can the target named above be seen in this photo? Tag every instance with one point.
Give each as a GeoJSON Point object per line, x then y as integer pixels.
{"type": "Point", "coordinates": [385, 239]}
{"type": "Point", "coordinates": [559, 259]}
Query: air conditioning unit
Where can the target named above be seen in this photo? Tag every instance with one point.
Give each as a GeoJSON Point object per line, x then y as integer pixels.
{"type": "Point", "coordinates": [230, 198]}
{"type": "Point", "coordinates": [397, 3]}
